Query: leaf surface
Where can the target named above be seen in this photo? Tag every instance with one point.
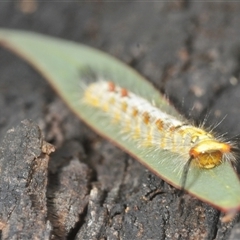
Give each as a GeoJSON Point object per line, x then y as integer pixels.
{"type": "Point", "coordinates": [66, 65]}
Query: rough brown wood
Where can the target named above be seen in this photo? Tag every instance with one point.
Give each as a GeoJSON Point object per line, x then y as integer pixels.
{"type": "Point", "coordinates": [23, 181]}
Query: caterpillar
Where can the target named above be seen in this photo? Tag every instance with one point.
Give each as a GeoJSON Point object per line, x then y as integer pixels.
{"type": "Point", "coordinates": [152, 127]}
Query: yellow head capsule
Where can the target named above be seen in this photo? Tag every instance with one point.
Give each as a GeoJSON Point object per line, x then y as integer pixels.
{"type": "Point", "coordinates": [208, 153]}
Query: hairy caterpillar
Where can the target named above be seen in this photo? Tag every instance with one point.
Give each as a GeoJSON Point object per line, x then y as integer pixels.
{"type": "Point", "coordinates": [155, 128]}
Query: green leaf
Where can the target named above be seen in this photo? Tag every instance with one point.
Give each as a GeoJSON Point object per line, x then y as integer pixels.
{"type": "Point", "coordinates": [66, 64]}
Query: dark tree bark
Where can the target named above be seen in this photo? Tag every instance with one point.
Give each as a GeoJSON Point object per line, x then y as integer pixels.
{"type": "Point", "coordinates": [24, 170]}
